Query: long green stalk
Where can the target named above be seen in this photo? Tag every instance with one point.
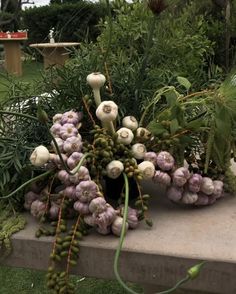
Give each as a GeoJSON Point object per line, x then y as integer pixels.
{"type": "Point", "coordinates": [27, 183]}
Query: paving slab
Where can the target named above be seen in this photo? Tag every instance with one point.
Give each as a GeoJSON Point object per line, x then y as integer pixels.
{"type": "Point", "coordinates": [180, 237]}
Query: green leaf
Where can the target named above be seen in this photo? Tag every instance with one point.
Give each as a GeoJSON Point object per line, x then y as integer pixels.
{"type": "Point", "coordinates": [171, 98]}
{"type": "Point", "coordinates": [156, 128]}
{"type": "Point", "coordinates": [174, 126]}
{"type": "Point", "coordinates": [184, 82]}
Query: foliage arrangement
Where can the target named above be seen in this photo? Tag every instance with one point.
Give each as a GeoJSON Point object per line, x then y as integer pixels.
{"type": "Point", "coordinates": [180, 136]}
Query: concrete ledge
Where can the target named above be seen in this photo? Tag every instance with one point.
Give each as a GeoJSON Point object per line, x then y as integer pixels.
{"type": "Point", "coordinates": [179, 238]}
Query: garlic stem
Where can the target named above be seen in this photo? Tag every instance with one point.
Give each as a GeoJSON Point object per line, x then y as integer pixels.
{"type": "Point", "coordinates": [97, 96]}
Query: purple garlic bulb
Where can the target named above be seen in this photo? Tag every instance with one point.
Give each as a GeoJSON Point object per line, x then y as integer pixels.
{"type": "Point", "coordinates": [180, 176]}
{"type": "Point", "coordinates": [162, 178]}
{"type": "Point", "coordinates": [97, 205]}
{"type": "Point", "coordinates": [211, 199]}
{"type": "Point", "coordinates": [37, 208]}
{"type": "Point", "coordinates": [56, 129]}
{"type": "Point", "coordinates": [29, 198]}
{"type": "Point", "coordinates": [189, 197]}
{"type": "Point", "coordinates": [70, 117]}
{"type": "Point", "coordinates": [132, 217]}
{"type": "Point", "coordinates": [194, 183]}
{"type": "Point", "coordinates": [151, 156]}
{"type": "Point", "coordinates": [86, 191]}
{"type": "Point", "coordinates": [81, 207]}
{"type": "Point", "coordinates": [104, 231]}
{"type": "Point", "coordinates": [202, 200]}
{"type": "Point", "coordinates": [67, 131]}
{"type": "Point", "coordinates": [165, 161]}
{"type": "Point", "coordinates": [106, 218]}
{"type": "Point", "coordinates": [56, 159]}
{"type": "Point", "coordinates": [70, 192]}
{"type": "Point", "coordinates": [81, 175]}
{"type": "Point", "coordinates": [90, 220]}
{"type": "Point", "coordinates": [74, 159]}
{"type": "Point", "coordinates": [207, 186]}
{"type": "Point", "coordinates": [174, 193]}
{"type": "Point", "coordinates": [54, 211]}
{"type": "Point", "coordinates": [60, 144]}
{"type": "Point", "coordinates": [218, 188]}
{"type": "Point", "coordinates": [72, 144]}
{"type": "Point", "coordinates": [64, 177]}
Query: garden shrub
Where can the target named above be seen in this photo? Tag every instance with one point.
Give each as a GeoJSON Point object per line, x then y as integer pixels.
{"type": "Point", "coordinates": [180, 46]}
{"type": "Point", "coordinates": [72, 21]}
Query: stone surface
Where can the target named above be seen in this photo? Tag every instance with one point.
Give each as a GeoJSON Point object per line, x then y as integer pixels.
{"type": "Point", "coordinates": [180, 238]}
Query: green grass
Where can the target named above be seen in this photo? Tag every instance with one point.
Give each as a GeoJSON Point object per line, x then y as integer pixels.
{"type": "Point", "coordinates": [31, 73]}
{"type": "Point", "coordinates": [26, 281]}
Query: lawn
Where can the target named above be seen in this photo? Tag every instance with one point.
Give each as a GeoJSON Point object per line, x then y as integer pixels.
{"type": "Point", "coordinates": [26, 281]}
{"type": "Point", "coordinates": [31, 73]}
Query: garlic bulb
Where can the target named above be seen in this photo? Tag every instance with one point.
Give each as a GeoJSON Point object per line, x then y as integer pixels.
{"type": "Point", "coordinates": [40, 156]}
{"type": "Point", "coordinates": [72, 144]}
{"type": "Point", "coordinates": [161, 177]}
{"type": "Point", "coordinates": [55, 129]}
{"type": "Point", "coordinates": [70, 117]}
{"type": "Point", "coordinates": [57, 118]}
{"type": "Point", "coordinates": [218, 188]}
{"type": "Point", "coordinates": [203, 199]}
{"type": "Point", "coordinates": [86, 191]}
{"type": "Point", "coordinates": [81, 207]}
{"type": "Point", "coordinates": [60, 144]}
{"type": "Point", "coordinates": [165, 161]}
{"type": "Point", "coordinates": [151, 156]}
{"type": "Point", "coordinates": [107, 111]}
{"type": "Point", "coordinates": [67, 131]}
{"type": "Point", "coordinates": [125, 136]}
{"type": "Point", "coordinates": [98, 205]}
{"type": "Point", "coordinates": [139, 150]}
{"type": "Point", "coordinates": [147, 168]}
{"type": "Point", "coordinates": [180, 176]}
{"type": "Point", "coordinates": [96, 80]}
{"type": "Point", "coordinates": [142, 134]}
{"type": "Point", "coordinates": [194, 183]}
{"type": "Point", "coordinates": [207, 186]}
{"type": "Point", "coordinates": [114, 169]}
{"type": "Point", "coordinates": [175, 193]}
{"type": "Point", "coordinates": [189, 197]}
{"type": "Point", "coordinates": [130, 122]}
{"type": "Point", "coordinates": [116, 226]}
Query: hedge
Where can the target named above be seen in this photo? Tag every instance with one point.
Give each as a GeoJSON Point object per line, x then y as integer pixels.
{"type": "Point", "coordinates": [72, 21]}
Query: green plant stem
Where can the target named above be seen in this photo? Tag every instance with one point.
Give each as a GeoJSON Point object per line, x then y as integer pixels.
{"type": "Point", "coordinates": [74, 171]}
{"type": "Point", "coordinates": [27, 183]}
{"type": "Point", "coordinates": [141, 73]}
{"type": "Point", "coordinates": [118, 250]}
{"type": "Point", "coordinates": [19, 114]}
{"type": "Point", "coordinates": [177, 285]}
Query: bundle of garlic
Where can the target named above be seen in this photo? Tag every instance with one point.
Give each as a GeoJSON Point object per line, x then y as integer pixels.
{"type": "Point", "coordinates": [182, 185]}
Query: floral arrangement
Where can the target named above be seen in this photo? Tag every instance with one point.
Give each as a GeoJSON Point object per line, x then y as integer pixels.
{"type": "Point", "coordinates": [79, 166]}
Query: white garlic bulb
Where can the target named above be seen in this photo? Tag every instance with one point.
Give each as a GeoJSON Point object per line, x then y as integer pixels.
{"type": "Point", "coordinates": [139, 150]}
{"type": "Point", "coordinates": [130, 122]}
{"type": "Point", "coordinates": [125, 136]}
{"type": "Point", "coordinates": [96, 80]}
{"type": "Point", "coordinates": [40, 156]}
{"type": "Point", "coordinates": [147, 168]}
{"type": "Point", "coordinates": [114, 169]}
{"type": "Point", "coordinates": [107, 111]}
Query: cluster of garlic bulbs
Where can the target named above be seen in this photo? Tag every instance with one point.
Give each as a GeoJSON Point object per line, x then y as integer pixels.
{"type": "Point", "coordinates": [182, 185]}
{"type": "Point", "coordinates": [76, 185]}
